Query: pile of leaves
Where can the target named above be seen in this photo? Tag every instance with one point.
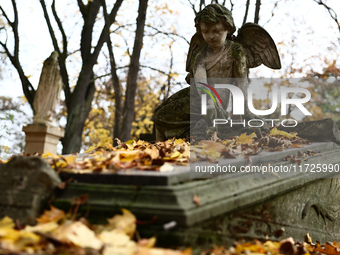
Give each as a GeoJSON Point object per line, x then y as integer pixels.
{"type": "Point", "coordinates": [131, 154]}
{"type": "Point", "coordinates": [285, 247]}
{"type": "Point", "coordinates": [161, 156]}
{"type": "Point", "coordinates": [58, 233]}
{"type": "Point", "coordinates": [245, 145]}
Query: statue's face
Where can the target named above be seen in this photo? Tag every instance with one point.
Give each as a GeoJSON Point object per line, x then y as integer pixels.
{"type": "Point", "coordinates": [214, 34]}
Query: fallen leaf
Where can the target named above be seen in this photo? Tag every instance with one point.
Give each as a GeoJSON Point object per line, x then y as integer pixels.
{"type": "Point", "coordinates": [54, 214]}
{"type": "Point", "coordinates": [6, 222]}
{"type": "Point", "coordinates": [244, 138]}
{"type": "Point", "coordinates": [167, 167]}
{"type": "Point", "coordinates": [125, 223]}
{"type": "Point", "coordinates": [78, 234]}
{"type": "Point", "coordinates": [148, 243]}
{"type": "Point", "coordinates": [276, 132]}
{"type": "Point", "coordinates": [196, 199]}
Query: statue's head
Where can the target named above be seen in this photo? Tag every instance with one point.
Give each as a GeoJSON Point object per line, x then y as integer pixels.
{"type": "Point", "coordinates": [215, 13]}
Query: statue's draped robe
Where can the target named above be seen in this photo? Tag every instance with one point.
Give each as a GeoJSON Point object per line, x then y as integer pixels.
{"type": "Point", "coordinates": [172, 117]}
{"type": "Point", "coordinates": [48, 93]}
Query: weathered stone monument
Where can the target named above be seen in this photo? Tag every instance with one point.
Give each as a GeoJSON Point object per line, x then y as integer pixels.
{"type": "Point", "coordinates": [26, 185]}
{"type": "Point", "coordinates": [43, 135]}
{"type": "Point", "coordinates": [214, 54]}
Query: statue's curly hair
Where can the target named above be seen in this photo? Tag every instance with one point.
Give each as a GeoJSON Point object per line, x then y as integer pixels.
{"type": "Point", "coordinates": [214, 13]}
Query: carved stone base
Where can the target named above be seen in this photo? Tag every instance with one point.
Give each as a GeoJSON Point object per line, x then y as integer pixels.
{"type": "Point", "coordinates": [40, 138]}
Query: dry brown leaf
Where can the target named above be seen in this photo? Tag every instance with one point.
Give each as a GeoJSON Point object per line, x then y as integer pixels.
{"type": "Point", "coordinates": [78, 234]}
{"type": "Point", "coordinates": [54, 214]}
{"type": "Point", "coordinates": [196, 199]}
{"type": "Point", "coordinates": [147, 243]}
{"type": "Point", "coordinates": [125, 223]}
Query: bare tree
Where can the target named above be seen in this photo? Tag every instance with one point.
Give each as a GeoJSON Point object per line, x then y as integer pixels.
{"type": "Point", "coordinates": [79, 100]}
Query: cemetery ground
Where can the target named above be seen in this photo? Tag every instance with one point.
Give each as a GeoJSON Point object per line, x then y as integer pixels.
{"type": "Point", "coordinates": [137, 196]}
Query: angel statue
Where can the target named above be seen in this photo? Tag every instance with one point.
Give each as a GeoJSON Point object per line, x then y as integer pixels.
{"type": "Point", "coordinates": [47, 95]}
{"type": "Point", "coordinates": [214, 53]}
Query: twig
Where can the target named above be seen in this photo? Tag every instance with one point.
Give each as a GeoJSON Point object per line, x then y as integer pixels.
{"type": "Point", "coordinates": [331, 12]}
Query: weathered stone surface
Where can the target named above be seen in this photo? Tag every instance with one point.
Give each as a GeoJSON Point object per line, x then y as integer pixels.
{"type": "Point", "coordinates": [26, 183]}
{"type": "Point", "coordinates": [325, 130]}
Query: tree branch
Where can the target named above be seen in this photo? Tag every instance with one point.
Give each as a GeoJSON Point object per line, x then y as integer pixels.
{"type": "Point", "coordinates": [81, 6]}
{"type": "Point", "coordinates": [63, 55]}
{"type": "Point", "coordinates": [246, 13]}
{"type": "Point", "coordinates": [275, 5]}
{"type": "Point", "coordinates": [331, 12]}
{"type": "Point", "coordinates": [5, 15]}
{"type": "Point", "coordinates": [168, 33]}
{"type": "Point", "coordinates": [27, 87]}
{"type": "Point", "coordinates": [231, 5]}
{"type": "Point", "coordinates": [121, 26]}
{"type": "Point", "coordinates": [105, 30]}
{"type": "Point", "coordinates": [193, 7]}
{"type": "Point", "coordinates": [49, 26]}
{"type": "Point", "coordinates": [61, 29]}
{"type": "Point", "coordinates": [257, 11]}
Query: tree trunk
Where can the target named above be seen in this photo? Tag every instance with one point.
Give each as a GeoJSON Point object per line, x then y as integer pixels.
{"type": "Point", "coordinates": [129, 105]}
{"type": "Point", "coordinates": [79, 103]}
{"type": "Point", "coordinates": [77, 113]}
{"type": "Point", "coordinates": [257, 11]}
{"type": "Point", "coordinates": [118, 95]}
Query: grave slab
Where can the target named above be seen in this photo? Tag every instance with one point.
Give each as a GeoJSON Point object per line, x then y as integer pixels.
{"type": "Point", "coordinates": [182, 173]}
{"type": "Point", "coordinates": [231, 206]}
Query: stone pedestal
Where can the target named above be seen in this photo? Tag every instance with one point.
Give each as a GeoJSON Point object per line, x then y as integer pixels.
{"type": "Point", "coordinates": [41, 138]}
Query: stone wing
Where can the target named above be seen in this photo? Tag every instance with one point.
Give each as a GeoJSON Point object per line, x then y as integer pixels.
{"type": "Point", "coordinates": [196, 43]}
{"type": "Point", "coordinates": [259, 46]}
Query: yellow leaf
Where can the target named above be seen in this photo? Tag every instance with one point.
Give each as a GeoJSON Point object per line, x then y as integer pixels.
{"type": "Point", "coordinates": [47, 154]}
{"type": "Point", "coordinates": [61, 164]}
{"type": "Point", "coordinates": [176, 154]}
{"type": "Point", "coordinates": [6, 222]}
{"type": "Point", "coordinates": [179, 141]}
{"type": "Point", "coordinates": [43, 228]}
{"type": "Point", "coordinates": [9, 234]}
{"type": "Point", "coordinates": [274, 132]}
{"type": "Point", "coordinates": [128, 156]}
{"type": "Point", "coordinates": [244, 138]}
{"type": "Point", "coordinates": [26, 238]}
{"type": "Point", "coordinates": [90, 149]}
{"type": "Point", "coordinates": [70, 159]}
